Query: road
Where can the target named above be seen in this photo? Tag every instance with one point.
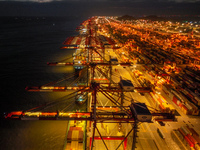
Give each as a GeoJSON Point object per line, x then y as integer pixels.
{"type": "Point", "coordinates": [147, 136]}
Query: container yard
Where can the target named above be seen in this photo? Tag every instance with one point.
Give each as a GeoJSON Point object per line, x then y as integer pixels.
{"type": "Point", "coordinates": [139, 80]}
{"type": "Point", "coordinates": [186, 137]}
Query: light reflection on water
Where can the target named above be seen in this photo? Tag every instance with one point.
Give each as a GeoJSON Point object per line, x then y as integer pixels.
{"type": "Point", "coordinates": [34, 135]}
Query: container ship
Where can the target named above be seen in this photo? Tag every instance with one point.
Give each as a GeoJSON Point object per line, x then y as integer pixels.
{"type": "Point", "coordinates": [81, 97]}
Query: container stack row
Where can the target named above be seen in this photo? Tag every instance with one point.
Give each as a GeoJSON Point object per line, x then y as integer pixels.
{"type": "Point", "coordinates": [180, 100]}
{"type": "Point", "coordinates": [186, 138]}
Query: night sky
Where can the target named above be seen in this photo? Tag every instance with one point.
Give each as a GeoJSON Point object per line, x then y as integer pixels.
{"type": "Point", "coordinates": [98, 7]}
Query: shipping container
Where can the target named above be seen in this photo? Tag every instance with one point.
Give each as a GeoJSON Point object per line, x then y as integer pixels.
{"type": "Point", "coordinates": [193, 131]}
{"type": "Point", "coordinates": [192, 139]}
{"type": "Point", "coordinates": [163, 99]}
{"type": "Point", "coordinates": [153, 97]}
{"type": "Point", "coordinates": [188, 141]}
{"type": "Point", "coordinates": [178, 138]}
{"type": "Point", "coordinates": [198, 100]}
{"type": "Point", "coordinates": [184, 109]}
{"type": "Point", "coordinates": [175, 100]}
{"type": "Point", "coordinates": [185, 130]}
{"type": "Point", "coordinates": [196, 138]}
{"type": "Point", "coordinates": [182, 132]}
{"type": "Point", "coordinates": [162, 108]}
{"type": "Point", "coordinates": [188, 106]}
{"type": "Point", "coordinates": [172, 109]}
{"type": "Point", "coordinates": [166, 106]}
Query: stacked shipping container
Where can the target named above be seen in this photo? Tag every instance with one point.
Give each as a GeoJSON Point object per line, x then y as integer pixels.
{"type": "Point", "coordinates": [187, 138]}
{"type": "Point", "coordinates": [180, 100]}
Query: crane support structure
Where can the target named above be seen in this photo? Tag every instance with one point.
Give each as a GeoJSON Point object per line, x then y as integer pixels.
{"type": "Point", "coordinates": [92, 58]}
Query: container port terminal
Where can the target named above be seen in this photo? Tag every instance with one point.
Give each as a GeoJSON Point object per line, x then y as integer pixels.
{"type": "Point", "coordinates": [140, 80]}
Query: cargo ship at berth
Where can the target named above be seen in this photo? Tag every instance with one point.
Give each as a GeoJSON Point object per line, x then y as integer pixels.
{"type": "Point", "coordinates": [123, 89]}
{"type": "Point", "coordinates": [75, 135]}
{"type": "Point", "coordinates": [81, 97]}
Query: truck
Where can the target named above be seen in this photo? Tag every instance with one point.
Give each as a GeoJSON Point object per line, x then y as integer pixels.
{"type": "Point", "coordinates": [160, 133]}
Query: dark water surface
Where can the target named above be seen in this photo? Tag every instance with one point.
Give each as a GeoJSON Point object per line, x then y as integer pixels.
{"type": "Point", "coordinates": [26, 45]}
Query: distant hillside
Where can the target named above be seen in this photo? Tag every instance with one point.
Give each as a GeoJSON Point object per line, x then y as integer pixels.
{"type": "Point", "coordinates": [126, 17]}
{"type": "Point", "coordinates": [154, 18]}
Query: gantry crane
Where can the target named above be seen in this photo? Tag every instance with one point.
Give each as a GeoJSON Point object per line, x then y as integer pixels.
{"type": "Point", "coordinates": [123, 114]}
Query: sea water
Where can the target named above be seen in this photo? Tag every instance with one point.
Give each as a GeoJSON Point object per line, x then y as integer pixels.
{"type": "Point", "coordinates": [26, 45]}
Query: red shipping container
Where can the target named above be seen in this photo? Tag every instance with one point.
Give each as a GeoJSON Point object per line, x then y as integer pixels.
{"type": "Point", "coordinates": [162, 108]}
{"type": "Point", "coordinates": [188, 141]}
{"type": "Point", "coordinates": [180, 105]}
{"type": "Point", "coordinates": [192, 139]}
{"type": "Point", "coordinates": [160, 101]}
{"type": "Point", "coordinates": [196, 138]}
{"type": "Point", "coordinates": [174, 100]}
{"type": "Point", "coordinates": [193, 131]}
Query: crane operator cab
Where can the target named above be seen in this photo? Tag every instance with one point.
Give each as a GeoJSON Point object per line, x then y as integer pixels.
{"type": "Point", "coordinates": [140, 112]}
